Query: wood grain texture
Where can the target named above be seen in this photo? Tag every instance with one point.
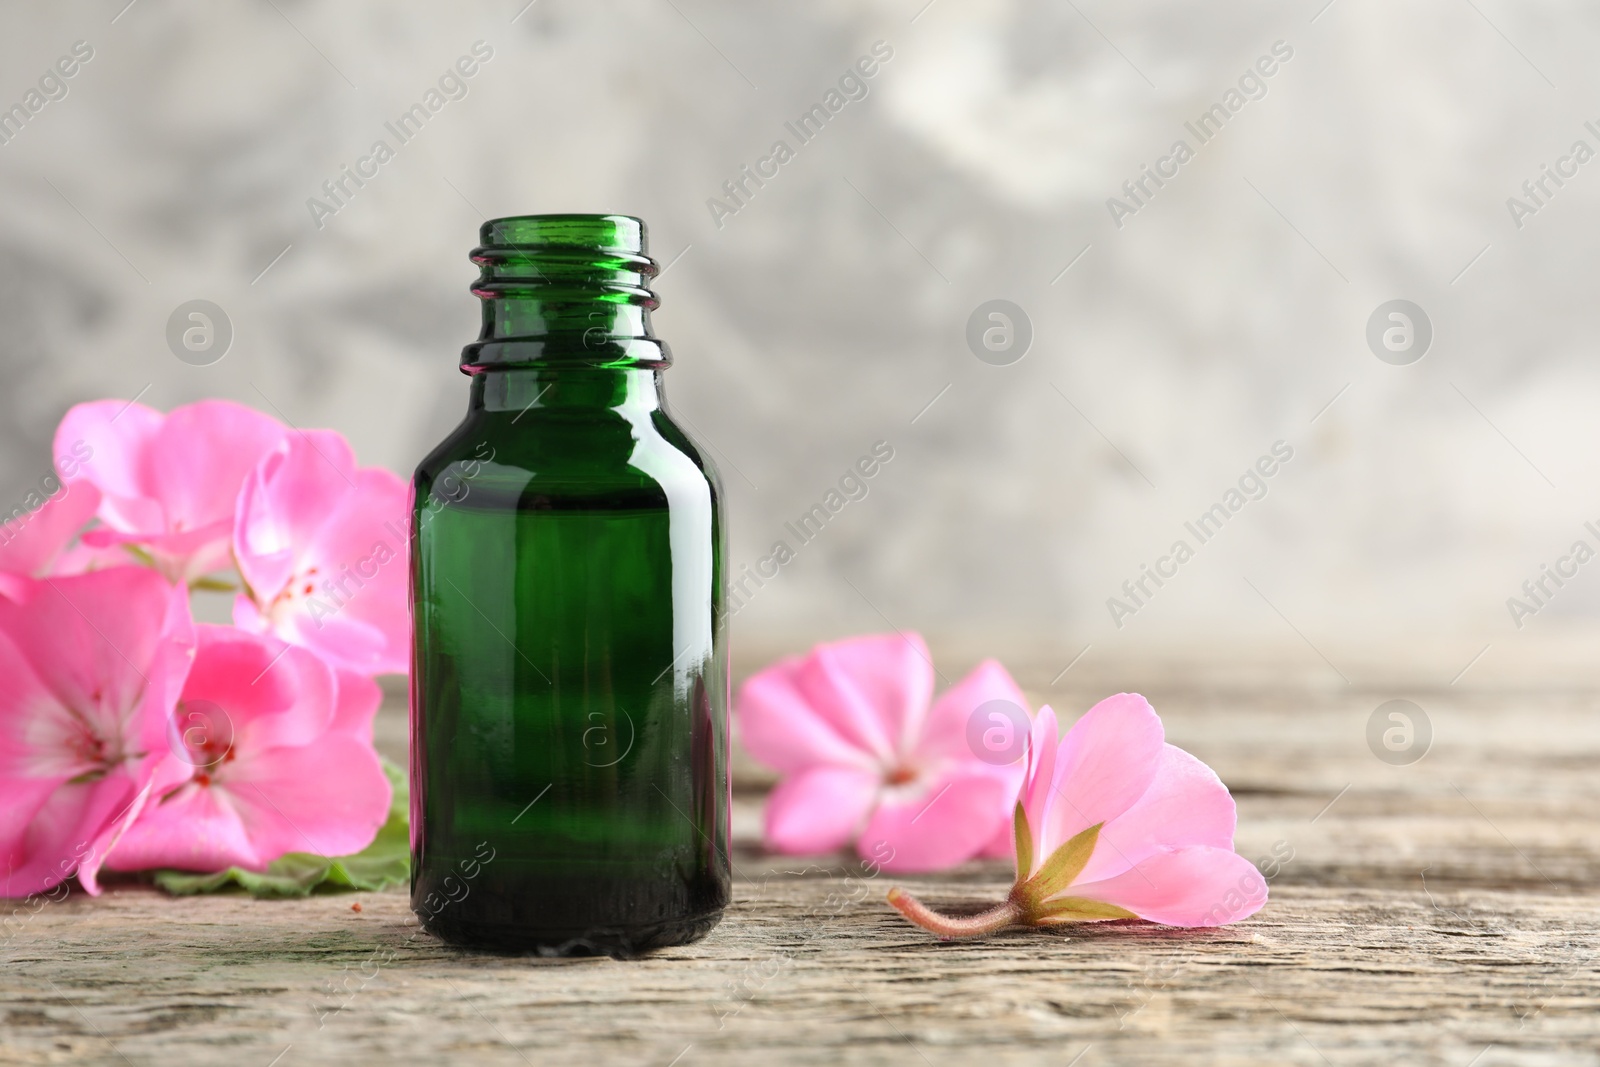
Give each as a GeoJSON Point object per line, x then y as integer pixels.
{"type": "Point", "coordinates": [1442, 913]}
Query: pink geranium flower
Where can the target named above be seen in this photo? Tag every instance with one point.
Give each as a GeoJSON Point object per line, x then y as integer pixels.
{"type": "Point", "coordinates": [90, 668]}
{"type": "Point", "coordinates": [868, 756]}
{"type": "Point", "coordinates": [168, 483]}
{"type": "Point", "coordinates": [271, 753]}
{"type": "Point", "coordinates": [322, 546]}
{"type": "Point", "coordinates": [1114, 823]}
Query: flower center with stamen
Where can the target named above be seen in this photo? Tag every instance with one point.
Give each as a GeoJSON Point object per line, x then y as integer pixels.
{"type": "Point", "coordinates": [300, 584]}
{"type": "Point", "coordinates": [88, 746]}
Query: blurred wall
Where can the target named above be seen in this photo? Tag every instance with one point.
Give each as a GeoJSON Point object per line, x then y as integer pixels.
{"type": "Point", "coordinates": [1177, 335]}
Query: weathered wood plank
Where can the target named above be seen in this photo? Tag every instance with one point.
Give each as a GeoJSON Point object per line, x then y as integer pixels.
{"type": "Point", "coordinates": [814, 970]}
{"type": "Point", "coordinates": [1430, 914]}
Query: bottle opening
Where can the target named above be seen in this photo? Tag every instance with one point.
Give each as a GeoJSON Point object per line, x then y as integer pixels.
{"type": "Point", "coordinates": [599, 233]}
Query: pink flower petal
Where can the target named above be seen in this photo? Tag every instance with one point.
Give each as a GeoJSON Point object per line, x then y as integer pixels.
{"type": "Point", "coordinates": [852, 726]}
{"type": "Point", "coordinates": [872, 690]}
{"type": "Point", "coordinates": [109, 440]}
{"type": "Point", "coordinates": [92, 640]}
{"type": "Point", "coordinates": [779, 727]}
{"type": "Point", "coordinates": [367, 545]}
{"type": "Point", "coordinates": [1036, 794]}
{"type": "Point", "coordinates": [248, 617]}
{"type": "Point", "coordinates": [106, 840]}
{"type": "Point", "coordinates": [37, 732]}
{"type": "Point", "coordinates": [82, 558]}
{"type": "Point", "coordinates": [299, 776]}
{"type": "Point", "coordinates": [168, 483]}
{"type": "Point", "coordinates": [90, 668]}
{"type": "Point", "coordinates": [347, 642]}
{"type": "Point", "coordinates": [818, 810]}
{"type": "Point", "coordinates": [1032, 791]}
{"type": "Point", "coordinates": [358, 702]}
{"type": "Point", "coordinates": [329, 797]}
{"type": "Point", "coordinates": [1106, 762]}
{"type": "Point", "coordinates": [945, 731]}
{"type": "Point", "coordinates": [1003, 845]}
{"type": "Point", "coordinates": [199, 460]}
{"type": "Point", "coordinates": [286, 500]}
{"type": "Point", "coordinates": [939, 825]}
{"type": "Point", "coordinates": [181, 556]}
{"type": "Point", "coordinates": [323, 548]}
{"type": "Point", "coordinates": [270, 694]}
{"type": "Point", "coordinates": [195, 828]}
{"type": "Point", "coordinates": [1195, 886]}
{"type": "Point", "coordinates": [25, 797]}
{"type": "Point", "coordinates": [66, 834]}
{"type": "Point", "coordinates": [32, 543]}
{"type": "Point", "coordinates": [1186, 804]}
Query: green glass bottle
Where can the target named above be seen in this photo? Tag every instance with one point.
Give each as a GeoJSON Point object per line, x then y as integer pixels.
{"type": "Point", "coordinates": [569, 691]}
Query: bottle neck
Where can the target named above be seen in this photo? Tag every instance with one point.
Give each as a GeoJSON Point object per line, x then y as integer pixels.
{"type": "Point", "coordinates": [525, 392]}
{"type": "Point", "coordinates": [581, 318]}
{"type": "Point", "coordinates": [564, 290]}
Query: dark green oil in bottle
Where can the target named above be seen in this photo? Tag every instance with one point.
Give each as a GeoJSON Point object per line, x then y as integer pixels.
{"type": "Point", "coordinates": [569, 690]}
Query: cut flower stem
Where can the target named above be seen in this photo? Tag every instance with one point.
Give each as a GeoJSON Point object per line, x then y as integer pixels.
{"type": "Point", "coordinates": [1009, 913]}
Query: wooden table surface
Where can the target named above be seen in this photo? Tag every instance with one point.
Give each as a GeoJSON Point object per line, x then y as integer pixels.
{"type": "Point", "coordinates": [1444, 912]}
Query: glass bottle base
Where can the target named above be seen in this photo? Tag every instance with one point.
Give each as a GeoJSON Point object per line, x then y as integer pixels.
{"type": "Point", "coordinates": [617, 942]}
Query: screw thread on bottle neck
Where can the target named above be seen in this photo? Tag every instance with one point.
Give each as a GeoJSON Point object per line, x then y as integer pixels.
{"type": "Point", "coordinates": [565, 290]}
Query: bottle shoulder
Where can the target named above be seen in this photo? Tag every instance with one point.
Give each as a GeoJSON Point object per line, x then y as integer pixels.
{"type": "Point", "coordinates": [556, 454]}
{"type": "Point", "coordinates": [680, 438]}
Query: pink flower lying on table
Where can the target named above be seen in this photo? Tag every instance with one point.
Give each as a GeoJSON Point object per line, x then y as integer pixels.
{"type": "Point", "coordinates": [271, 752]}
{"type": "Point", "coordinates": [322, 546]}
{"type": "Point", "coordinates": [168, 483]}
{"type": "Point", "coordinates": [90, 668]}
{"type": "Point", "coordinates": [1114, 823]}
{"type": "Point", "coordinates": [867, 758]}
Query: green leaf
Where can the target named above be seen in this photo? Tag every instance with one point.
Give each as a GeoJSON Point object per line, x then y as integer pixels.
{"type": "Point", "coordinates": [1064, 864]}
{"type": "Point", "coordinates": [1080, 909]}
{"type": "Point", "coordinates": [1019, 823]}
{"type": "Point", "coordinates": [385, 862]}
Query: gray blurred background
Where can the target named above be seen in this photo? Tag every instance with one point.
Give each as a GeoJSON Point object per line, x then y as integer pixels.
{"type": "Point", "coordinates": [830, 312]}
